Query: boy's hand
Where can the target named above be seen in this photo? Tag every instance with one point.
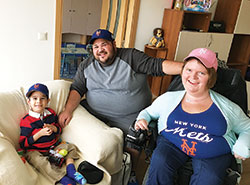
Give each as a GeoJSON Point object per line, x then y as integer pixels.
{"type": "Point", "coordinates": [45, 131]}
{"type": "Point", "coordinates": [51, 127]}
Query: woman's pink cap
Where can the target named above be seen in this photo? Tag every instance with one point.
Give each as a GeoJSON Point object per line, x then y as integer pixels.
{"type": "Point", "coordinates": [206, 56]}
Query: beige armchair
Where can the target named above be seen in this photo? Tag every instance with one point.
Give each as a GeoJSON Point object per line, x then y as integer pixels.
{"type": "Point", "coordinates": [99, 144]}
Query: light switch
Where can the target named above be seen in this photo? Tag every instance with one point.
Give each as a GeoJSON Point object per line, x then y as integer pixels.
{"type": "Point", "coordinates": [42, 36]}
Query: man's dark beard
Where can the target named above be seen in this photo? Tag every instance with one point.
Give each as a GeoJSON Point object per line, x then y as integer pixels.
{"type": "Point", "coordinates": [109, 61]}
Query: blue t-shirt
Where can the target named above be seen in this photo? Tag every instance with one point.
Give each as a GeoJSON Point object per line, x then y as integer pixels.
{"type": "Point", "coordinates": [199, 135]}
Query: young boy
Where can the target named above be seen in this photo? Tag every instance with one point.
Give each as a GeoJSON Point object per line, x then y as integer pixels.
{"type": "Point", "coordinates": [39, 132]}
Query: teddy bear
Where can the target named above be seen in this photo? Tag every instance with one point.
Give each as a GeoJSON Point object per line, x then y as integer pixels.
{"type": "Point", "coordinates": [157, 40]}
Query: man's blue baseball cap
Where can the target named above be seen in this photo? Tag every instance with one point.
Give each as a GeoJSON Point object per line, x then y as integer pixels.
{"type": "Point", "coordinates": [38, 87]}
{"type": "Point", "coordinates": [102, 34]}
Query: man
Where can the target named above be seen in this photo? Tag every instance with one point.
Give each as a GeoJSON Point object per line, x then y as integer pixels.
{"type": "Point", "coordinates": [114, 81]}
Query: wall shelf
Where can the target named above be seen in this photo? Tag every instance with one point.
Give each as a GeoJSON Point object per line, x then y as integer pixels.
{"type": "Point", "coordinates": [233, 45]}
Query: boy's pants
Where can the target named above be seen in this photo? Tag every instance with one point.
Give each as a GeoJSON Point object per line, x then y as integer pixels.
{"type": "Point", "coordinates": [167, 159]}
{"type": "Point", "coordinates": [50, 171]}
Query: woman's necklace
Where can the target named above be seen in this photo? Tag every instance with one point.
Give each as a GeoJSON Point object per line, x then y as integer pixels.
{"type": "Point", "coordinates": [196, 100]}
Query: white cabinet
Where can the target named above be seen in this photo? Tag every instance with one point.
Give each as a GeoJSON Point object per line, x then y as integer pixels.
{"type": "Point", "coordinates": [242, 24]}
{"type": "Point", "coordinates": [81, 16]}
{"type": "Point", "coordinates": [217, 42]}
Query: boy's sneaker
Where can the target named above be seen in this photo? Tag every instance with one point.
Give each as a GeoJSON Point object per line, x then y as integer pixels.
{"type": "Point", "coordinates": [79, 178]}
{"type": "Point", "coordinates": [71, 172]}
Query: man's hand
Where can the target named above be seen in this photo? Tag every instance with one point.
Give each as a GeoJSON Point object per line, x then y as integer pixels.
{"type": "Point", "coordinates": [72, 103]}
{"type": "Point", "coordinates": [64, 118]}
{"type": "Point", "coordinates": [141, 124]}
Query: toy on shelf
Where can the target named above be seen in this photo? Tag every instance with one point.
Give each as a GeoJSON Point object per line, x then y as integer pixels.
{"type": "Point", "coordinates": [57, 156]}
{"type": "Point", "coordinates": [197, 5]}
{"type": "Point", "coordinates": [178, 4]}
{"type": "Point", "coordinates": [157, 40]}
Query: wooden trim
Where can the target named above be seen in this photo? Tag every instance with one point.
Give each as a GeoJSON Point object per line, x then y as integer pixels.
{"type": "Point", "coordinates": [171, 33]}
{"type": "Point", "coordinates": [118, 14]}
{"type": "Point", "coordinates": [131, 27]}
{"type": "Point", "coordinates": [122, 24]}
{"type": "Point", "coordinates": [105, 14]}
{"type": "Point", "coordinates": [113, 16]}
{"type": "Point", "coordinates": [58, 39]}
{"type": "Point", "coordinates": [127, 23]}
{"type": "Point", "coordinates": [239, 55]}
{"type": "Point", "coordinates": [156, 82]}
{"type": "Point", "coordinates": [227, 11]}
{"type": "Point", "coordinates": [166, 80]}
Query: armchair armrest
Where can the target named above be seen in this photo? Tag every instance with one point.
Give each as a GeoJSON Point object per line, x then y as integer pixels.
{"type": "Point", "coordinates": [12, 168]}
{"type": "Point", "coordinates": [98, 143]}
{"type": "Point", "coordinates": [153, 133]}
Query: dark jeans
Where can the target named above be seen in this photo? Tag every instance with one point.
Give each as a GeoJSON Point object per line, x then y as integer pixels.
{"type": "Point", "coordinates": [167, 159]}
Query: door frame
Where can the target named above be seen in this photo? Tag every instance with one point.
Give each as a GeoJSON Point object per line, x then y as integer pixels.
{"type": "Point", "coordinates": [58, 39]}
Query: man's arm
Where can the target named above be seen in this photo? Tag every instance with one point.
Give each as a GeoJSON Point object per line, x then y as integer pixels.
{"type": "Point", "coordinates": [72, 103]}
{"type": "Point", "coordinates": [172, 67]}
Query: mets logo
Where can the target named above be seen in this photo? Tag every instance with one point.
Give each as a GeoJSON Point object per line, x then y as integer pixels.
{"type": "Point", "coordinates": [36, 86]}
{"type": "Point", "coordinates": [188, 150]}
{"type": "Point", "coordinates": [98, 33]}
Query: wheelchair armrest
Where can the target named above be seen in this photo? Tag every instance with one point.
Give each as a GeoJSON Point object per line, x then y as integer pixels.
{"type": "Point", "coordinates": [152, 137]}
{"type": "Point", "coordinates": [153, 125]}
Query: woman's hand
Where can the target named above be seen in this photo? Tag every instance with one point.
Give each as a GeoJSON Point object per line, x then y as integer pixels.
{"type": "Point", "coordinates": [141, 124]}
{"type": "Point", "coordinates": [239, 157]}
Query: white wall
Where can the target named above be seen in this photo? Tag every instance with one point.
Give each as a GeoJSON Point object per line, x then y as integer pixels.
{"type": "Point", "coordinates": [150, 17]}
{"type": "Point", "coordinates": [24, 59]}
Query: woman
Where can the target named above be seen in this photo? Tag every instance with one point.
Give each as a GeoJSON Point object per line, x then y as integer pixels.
{"type": "Point", "coordinates": [196, 123]}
